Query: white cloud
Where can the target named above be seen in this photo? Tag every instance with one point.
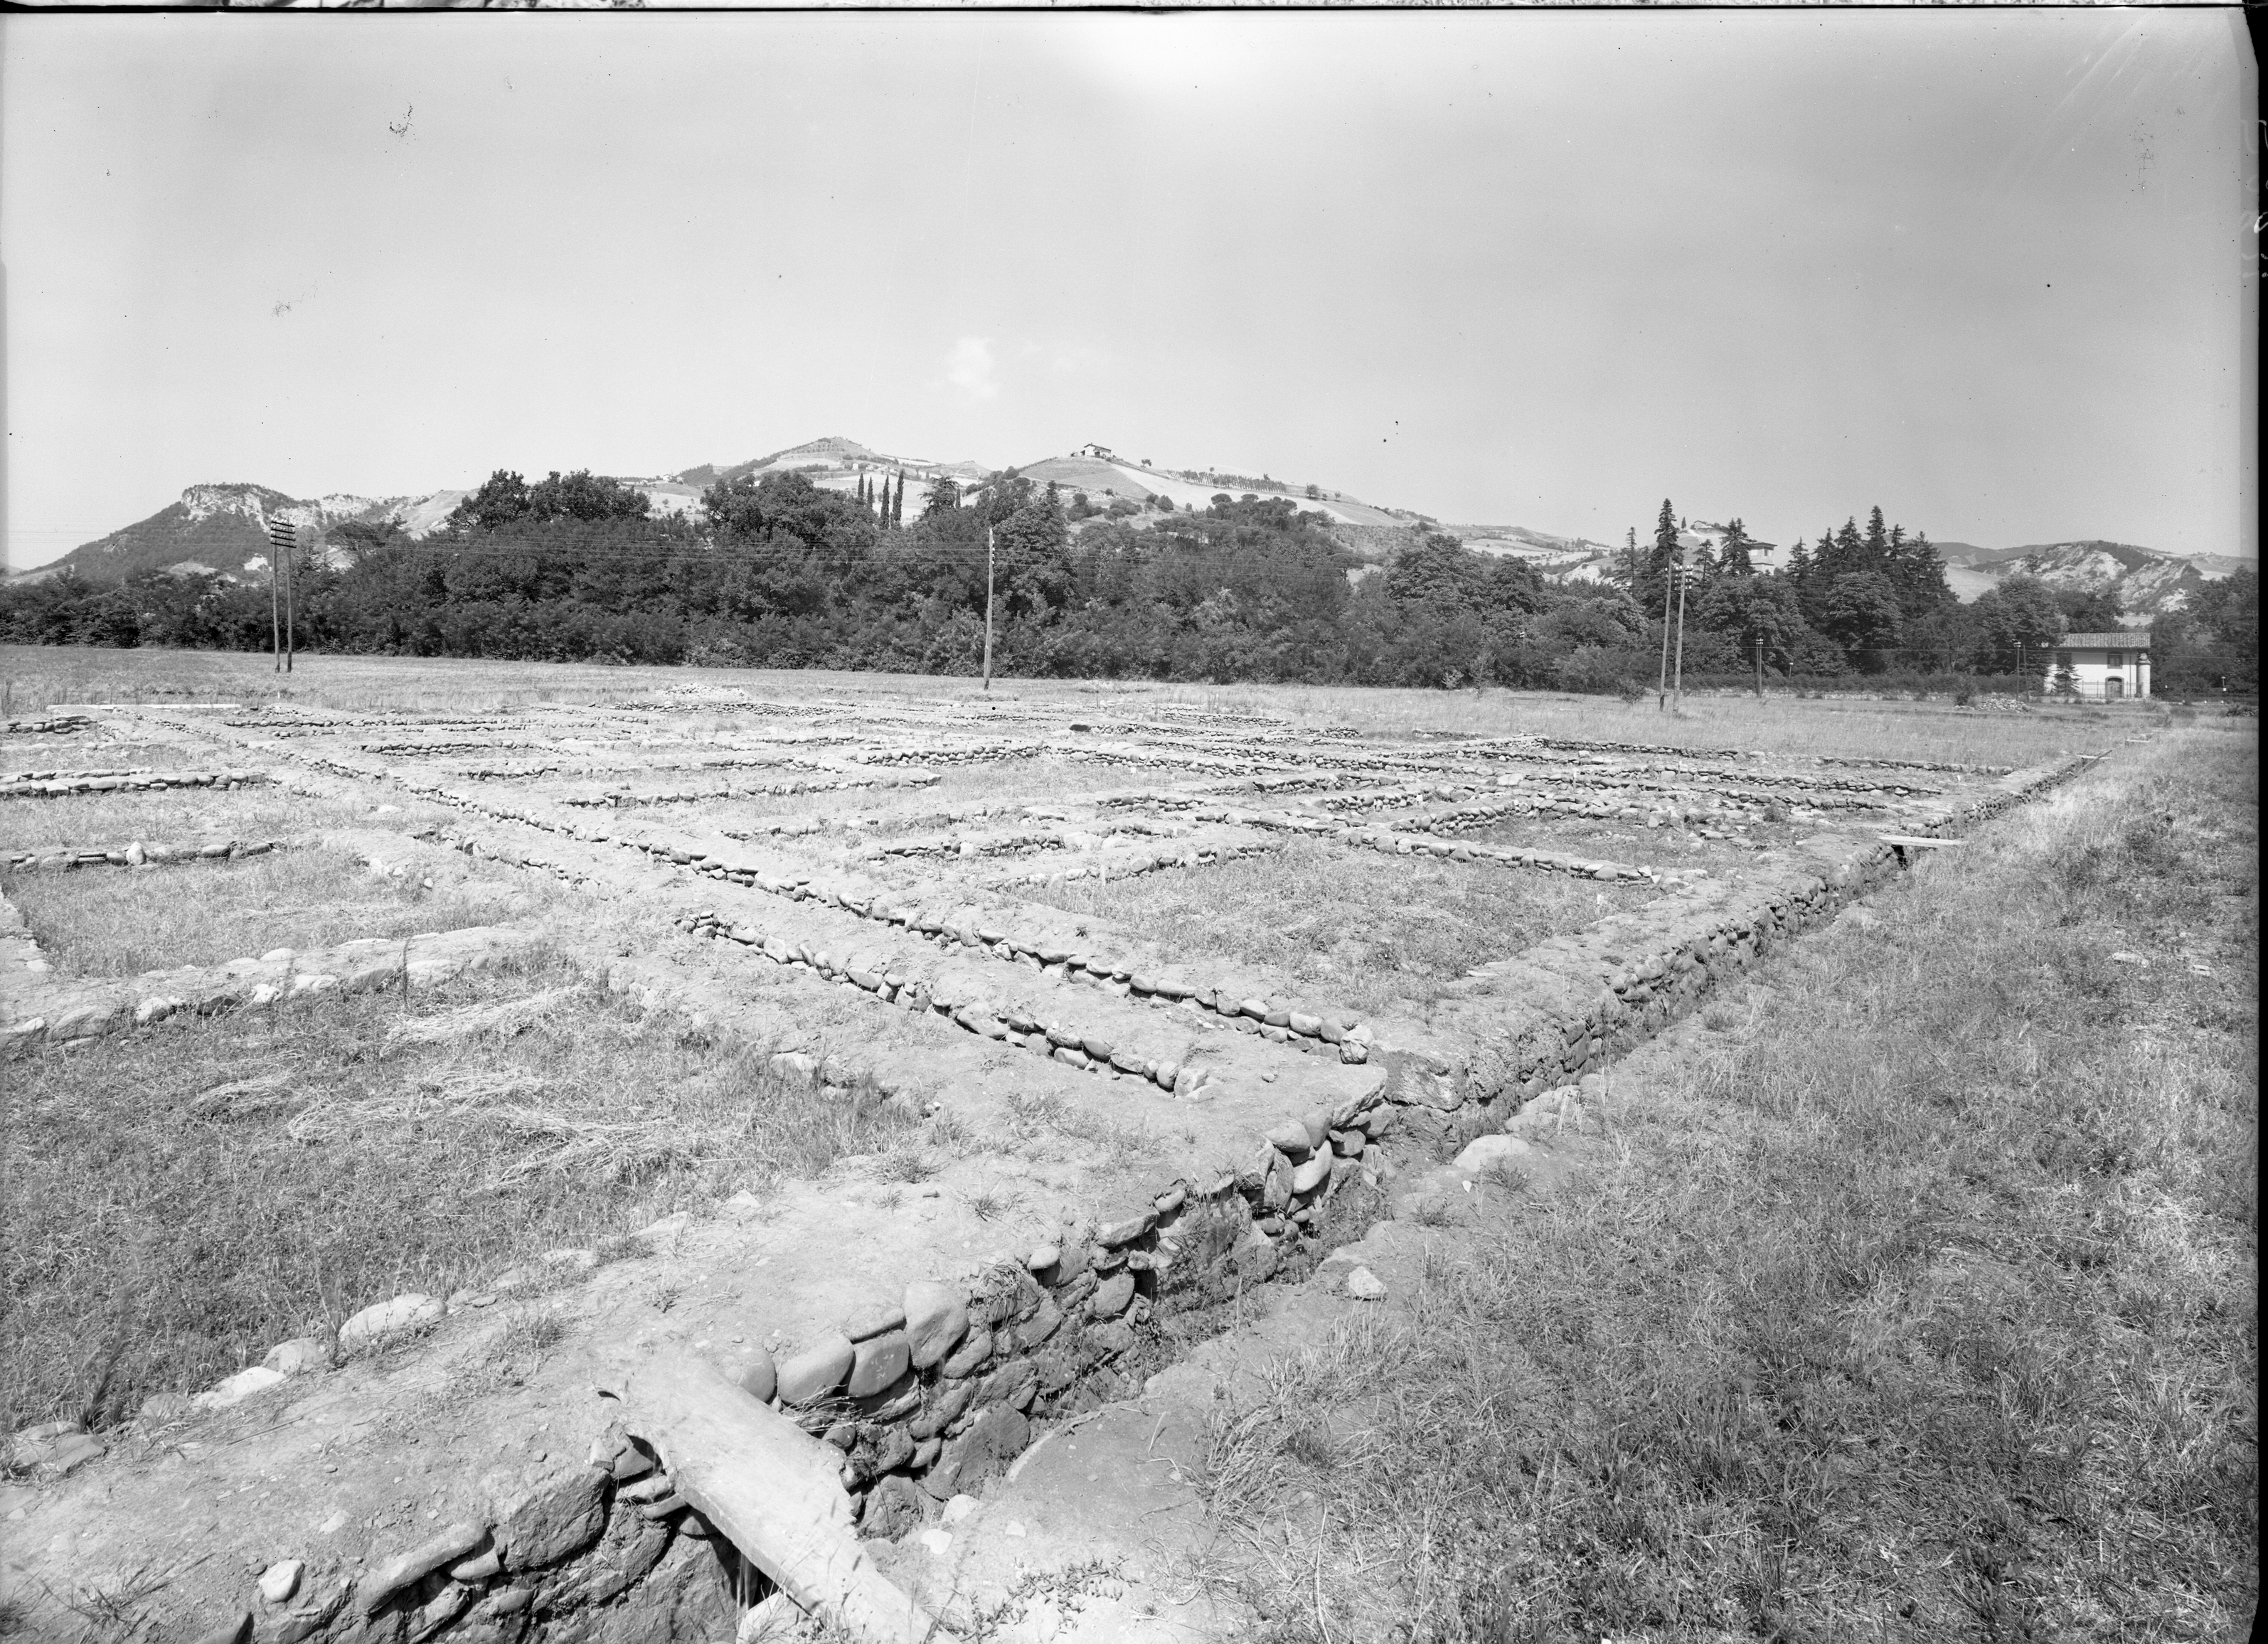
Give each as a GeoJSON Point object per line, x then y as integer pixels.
{"type": "Point", "coordinates": [970, 367]}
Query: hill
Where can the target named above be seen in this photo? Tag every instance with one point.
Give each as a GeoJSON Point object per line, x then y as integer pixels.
{"type": "Point", "coordinates": [2148, 583]}
{"type": "Point", "coordinates": [223, 528]}
{"type": "Point", "coordinates": [832, 463]}
{"type": "Point", "coordinates": [1101, 471]}
{"type": "Point", "coordinates": [1580, 560]}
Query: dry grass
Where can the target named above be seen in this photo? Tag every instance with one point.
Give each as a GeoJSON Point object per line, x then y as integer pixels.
{"type": "Point", "coordinates": [1920, 1304]}
{"type": "Point", "coordinates": [1847, 729]}
{"type": "Point", "coordinates": [157, 1241]}
{"type": "Point", "coordinates": [38, 676]}
{"type": "Point", "coordinates": [103, 922]}
{"type": "Point", "coordinates": [97, 753]}
{"type": "Point", "coordinates": [1367, 930]}
{"type": "Point", "coordinates": [1663, 850]}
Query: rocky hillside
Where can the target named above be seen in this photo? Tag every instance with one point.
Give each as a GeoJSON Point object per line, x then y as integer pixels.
{"type": "Point", "coordinates": [2146, 582]}
{"type": "Point", "coordinates": [223, 528]}
{"type": "Point", "coordinates": [1580, 560]}
{"type": "Point", "coordinates": [833, 464]}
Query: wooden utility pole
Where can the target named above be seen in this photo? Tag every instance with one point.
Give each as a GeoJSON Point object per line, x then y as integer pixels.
{"type": "Point", "coordinates": [1760, 667]}
{"type": "Point", "coordinates": [1679, 677]}
{"type": "Point", "coordinates": [1661, 694]}
{"type": "Point", "coordinates": [275, 606]}
{"type": "Point", "coordinates": [988, 607]}
{"type": "Point", "coordinates": [283, 542]}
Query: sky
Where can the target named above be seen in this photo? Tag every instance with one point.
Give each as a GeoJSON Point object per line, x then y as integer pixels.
{"type": "Point", "coordinates": [1993, 271]}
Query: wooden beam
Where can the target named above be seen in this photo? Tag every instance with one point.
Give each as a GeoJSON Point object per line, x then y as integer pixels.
{"type": "Point", "coordinates": [775, 1491]}
{"type": "Point", "coordinates": [1907, 842]}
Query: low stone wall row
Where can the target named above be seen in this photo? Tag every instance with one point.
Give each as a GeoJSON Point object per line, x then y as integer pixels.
{"type": "Point", "coordinates": [430, 749]}
{"type": "Point", "coordinates": [1049, 956]}
{"type": "Point", "coordinates": [83, 774]}
{"type": "Point", "coordinates": [63, 783]}
{"type": "Point", "coordinates": [67, 1012]}
{"type": "Point", "coordinates": [1916, 764]}
{"type": "Point", "coordinates": [135, 854]}
{"type": "Point", "coordinates": [1405, 844]}
{"type": "Point", "coordinates": [925, 1393]}
{"type": "Point", "coordinates": [60, 725]}
{"type": "Point", "coordinates": [982, 753]}
{"type": "Point", "coordinates": [1804, 784]}
{"type": "Point", "coordinates": [1019, 1026]}
{"type": "Point", "coordinates": [945, 929]}
{"type": "Point", "coordinates": [1576, 745]}
{"type": "Point", "coordinates": [1689, 949]}
{"type": "Point", "coordinates": [1130, 861]}
{"type": "Point", "coordinates": [746, 790]}
{"type": "Point", "coordinates": [1062, 835]}
{"type": "Point", "coordinates": [1595, 807]}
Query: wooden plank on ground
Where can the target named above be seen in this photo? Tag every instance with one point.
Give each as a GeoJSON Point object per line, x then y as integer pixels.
{"type": "Point", "coordinates": [775, 1491]}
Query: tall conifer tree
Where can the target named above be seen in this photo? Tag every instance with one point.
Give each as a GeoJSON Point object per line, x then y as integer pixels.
{"type": "Point", "coordinates": [1877, 542]}
{"type": "Point", "coordinates": [1737, 561]}
{"type": "Point", "coordinates": [1661, 559]}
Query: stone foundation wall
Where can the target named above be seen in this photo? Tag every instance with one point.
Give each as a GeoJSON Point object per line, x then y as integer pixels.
{"type": "Point", "coordinates": [927, 1394]}
{"type": "Point", "coordinates": [136, 854]}
{"type": "Point", "coordinates": [56, 784]}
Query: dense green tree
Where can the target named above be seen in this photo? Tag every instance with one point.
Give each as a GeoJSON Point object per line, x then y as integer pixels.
{"type": "Point", "coordinates": [1751, 610]}
{"type": "Point", "coordinates": [501, 499]}
{"type": "Point", "coordinates": [1861, 613]}
{"type": "Point", "coordinates": [2213, 645]}
{"type": "Point", "coordinates": [583, 495]}
{"type": "Point", "coordinates": [1917, 573]}
{"type": "Point", "coordinates": [2090, 610]}
{"type": "Point", "coordinates": [2017, 620]}
{"type": "Point", "coordinates": [779, 572]}
{"type": "Point", "coordinates": [1737, 561]}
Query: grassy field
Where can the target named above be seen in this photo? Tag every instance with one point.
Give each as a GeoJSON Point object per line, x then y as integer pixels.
{"type": "Point", "coordinates": [1367, 930]}
{"type": "Point", "coordinates": [1920, 1302]}
{"type": "Point", "coordinates": [99, 922]}
{"type": "Point", "coordinates": [180, 1202]}
{"type": "Point", "coordinates": [36, 676]}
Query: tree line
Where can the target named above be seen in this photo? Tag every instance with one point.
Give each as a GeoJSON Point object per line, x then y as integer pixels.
{"type": "Point", "coordinates": [778, 572]}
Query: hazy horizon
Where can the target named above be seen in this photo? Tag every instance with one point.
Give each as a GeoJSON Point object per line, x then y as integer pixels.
{"type": "Point", "coordinates": [1993, 272]}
